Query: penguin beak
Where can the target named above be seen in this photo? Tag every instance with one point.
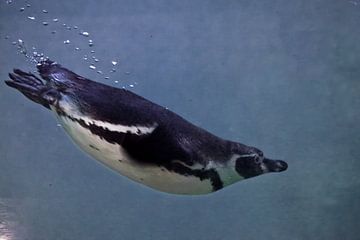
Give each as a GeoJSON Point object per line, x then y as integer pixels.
{"type": "Point", "coordinates": [275, 165]}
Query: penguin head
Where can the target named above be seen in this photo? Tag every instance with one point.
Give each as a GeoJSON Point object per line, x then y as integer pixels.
{"type": "Point", "coordinates": [254, 164]}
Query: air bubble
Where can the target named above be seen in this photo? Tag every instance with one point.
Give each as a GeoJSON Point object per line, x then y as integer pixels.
{"type": "Point", "coordinates": [22, 9]}
{"type": "Point", "coordinates": [55, 20]}
{"type": "Point", "coordinates": [131, 85]}
{"type": "Point", "coordinates": [28, 5]}
{"type": "Point", "coordinates": [86, 34]}
{"type": "Point", "coordinates": [22, 47]}
{"type": "Point", "coordinates": [67, 42]}
{"type": "Point", "coordinates": [106, 77]}
{"type": "Point", "coordinates": [116, 81]}
{"type": "Point", "coordinates": [127, 73]}
{"type": "Point", "coordinates": [77, 49]}
{"type": "Point", "coordinates": [99, 72]}
{"type": "Point", "coordinates": [113, 63]}
{"type": "Point", "coordinates": [44, 11]}
{"type": "Point", "coordinates": [45, 23]}
{"type": "Point", "coordinates": [91, 43]}
{"type": "Point", "coordinates": [92, 67]}
{"type": "Point", "coordinates": [96, 60]}
{"type": "Point", "coordinates": [31, 17]}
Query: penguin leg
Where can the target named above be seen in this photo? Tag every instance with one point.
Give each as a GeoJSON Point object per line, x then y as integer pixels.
{"type": "Point", "coordinates": [30, 86]}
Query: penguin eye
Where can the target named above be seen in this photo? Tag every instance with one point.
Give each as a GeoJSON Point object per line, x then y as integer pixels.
{"type": "Point", "coordinates": [257, 159]}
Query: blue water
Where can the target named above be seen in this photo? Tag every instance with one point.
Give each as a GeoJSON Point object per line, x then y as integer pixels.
{"type": "Point", "coordinates": [279, 75]}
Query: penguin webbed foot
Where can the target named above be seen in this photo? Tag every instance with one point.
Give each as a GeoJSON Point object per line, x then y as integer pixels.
{"type": "Point", "coordinates": [29, 85]}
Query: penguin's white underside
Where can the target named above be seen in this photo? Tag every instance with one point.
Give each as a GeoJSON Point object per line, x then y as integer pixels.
{"type": "Point", "coordinates": [140, 139]}
{"type": "Point", "coordinates": [116, 158]}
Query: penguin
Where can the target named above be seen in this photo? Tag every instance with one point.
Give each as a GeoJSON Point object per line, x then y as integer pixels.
{"type": "Point", "coordinates": [138, 138]}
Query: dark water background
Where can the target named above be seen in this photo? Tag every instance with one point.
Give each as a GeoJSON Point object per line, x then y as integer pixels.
{"type": "Point", "coordinates": [280, 75]}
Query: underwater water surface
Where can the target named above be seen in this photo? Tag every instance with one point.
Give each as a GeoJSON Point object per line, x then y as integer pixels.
{"type": "Point", "coordinates": [279, 75]}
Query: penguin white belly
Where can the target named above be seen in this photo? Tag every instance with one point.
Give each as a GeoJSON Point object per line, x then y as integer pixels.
{"type": "Point", "coordinates": [115, 157]}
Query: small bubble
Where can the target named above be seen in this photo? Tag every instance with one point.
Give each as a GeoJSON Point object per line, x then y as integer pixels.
{"type": "Point", "coordinates": [91, 43]}
{"type": "Point", "coordinates": [22, 9]}
{"type": "Point", "coordinates": [131, 85]}
{"type": "Point", "coordinates": [31, 17]}
{"type": "Point", "coordinates": [53, 32]}
{"type": "Point", "coordinates": [99, 72]}
{"type": "Point", "coordinates": [28, 5]}
{"type": "Point", "coordinates": [44, 11]}
{"type": "Point", "coordinates": [14, 43]}
{"type": "Point", "coordinates": [127, 73]}
{"type": "Point", "coordinates": [77, 49]}
{"type": "Point", "coordinates": [6, 37]}
{"type": "Point", "coordinates": [92, 67]}
{"type": "Point", "coordinates": [67, 41]}
{"type": "Point", "coordinates": [22, 47]}
{"type": "Point", "coordinates": [96, 60]}
{"type": "Point", "coordinates": [64, 24]}
{"type": "Point", "coordinates": [68, 28]}
{"type": "Point", "coordinates": [86, 34]}
{"type": "Point", "coordinates": [8, 1]}
{"type": "Point", "coordinates": [35, 53]}
{"type": "Point", "coordinates": [113, 63]}
{"type": "Point", "coordinates": [106, 77]}
{"type": "Point", "coordinates": [59, 125]}
{"type": "Point", "coordinates": [75, 27]}
{"type": "Point", "coordinates": [116, 81]}
{"type": "Point", "coordinates": [93, 57]}
{"type": "Point", "coordinates": [92, 51]}
{"type": "Point", "coordinates": [45, 23]}
{"type": "Point", "coordinates": [55, 20]}
{"type": "Point", "coordinates": [113, 70]}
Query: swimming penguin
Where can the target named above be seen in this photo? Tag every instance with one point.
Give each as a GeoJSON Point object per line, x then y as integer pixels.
{"type": "Point", "coordinates": [138, 138]}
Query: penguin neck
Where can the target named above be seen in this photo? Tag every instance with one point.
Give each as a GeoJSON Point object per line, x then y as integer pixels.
{"type": "Point", "coordinates": [227, 171]}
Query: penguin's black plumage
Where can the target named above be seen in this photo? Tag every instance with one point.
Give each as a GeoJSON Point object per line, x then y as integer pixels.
{"type": "Point", "coordinates": [138, 138]}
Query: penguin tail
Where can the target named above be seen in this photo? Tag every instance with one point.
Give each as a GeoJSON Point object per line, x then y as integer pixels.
{"type": "Point", "coordinates": [52, 71]}
{"type": "Point", "coordinates": [30, 86]}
